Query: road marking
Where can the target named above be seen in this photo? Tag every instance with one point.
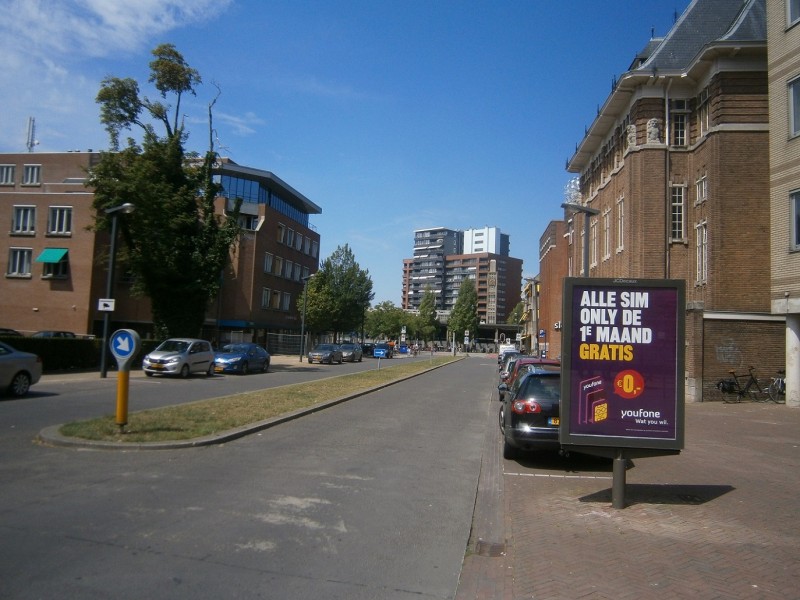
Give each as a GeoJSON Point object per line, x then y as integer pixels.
{"type": "Point", "coordinates": [558, 476]}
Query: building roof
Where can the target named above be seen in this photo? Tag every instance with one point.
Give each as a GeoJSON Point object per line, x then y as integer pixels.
{"type": "Point", "coordinates": [705, 30]}
{"type": "Point", "coordinates": [272, 181]}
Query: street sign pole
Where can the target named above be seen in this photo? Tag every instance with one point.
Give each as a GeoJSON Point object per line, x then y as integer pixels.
{"type": "Point", "coordinates": [125, 344]}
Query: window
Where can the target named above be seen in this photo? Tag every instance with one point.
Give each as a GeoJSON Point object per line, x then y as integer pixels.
{"type": "Point", "coordinates": [287, 269]}
{"type": "Point", "coordinates": [278, 266]}
{"type": "Point", "coordinates": [793, 11]}
{"type": "Point", "coordinates": [679, 114]}
{"type": "Point", "coordinates": [6, 174]}
{"type": "Point", "coordinates": [56, 270]}
{"type": "Point", "coordinates": [593, 240]}
{"type": "Point", "coordinates": [794, 107]}
{"type": "Point", "coordinates": [298, 242]}
{"type": "Point", "coordinates": [795, 207]}
{"type": "Point", "coordinates": [248, 222]}
{"type": "Point", "coordinates": [31, 174]}
{"type": "Point", "coordinates": [60, 222]}
{"type": "Point", "coordinates": [306, 245]}
{"type": "Point", "coordinates": [306, 272]}
{"type": "Point", "coordinates": [296, 274]}
{"type": "Point", "coordinates": [314, 249]}
{"type": "Point", "coordinates": [281, 232]}
{"type": "Point", "coordinates": [266, 294]}
{"type": "Point", "coordinates": [24, 220]}
{"type": "Point", "coordinates": [703, 119]}
{"type": "Point", "coordinates": [607, 234]}
{"type": "Point", "coordinates": [268, 262]}
{"type": "Point", "coordinates": [620, 224]}
{"type": "Point", "coordinates": [701, 189]}
{"type": "Point", "coordinates": [289, 237]}
{"type": "Point", "coordinates": [701, 236]}
{"type": "Point", "coordinates": [286, 301]}
{"type": "Point", "coordinates": [677, 212]}
{"type": "Point", "coordinates": [275, 301]}
{"type": "Point", "coordinates": [19, 262]}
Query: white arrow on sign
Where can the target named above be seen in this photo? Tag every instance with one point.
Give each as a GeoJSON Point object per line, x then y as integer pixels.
{"type": "Point", "coordinates": [123, 344]}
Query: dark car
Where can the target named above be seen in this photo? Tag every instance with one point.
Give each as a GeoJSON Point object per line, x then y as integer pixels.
{"type": "Point", "coordinates": [351, 352]}
{"type": "Point", "coordinates": [531, 412]}
{"type": "Point", "coordinates": [9, 332]}
{"type": "Point", "coordinates": [515, 368]}
{"type": "Point", "coordinates": [367, 348]}
{"type": "Point", "coordinates": [53, 334]}
{"type": "Point", "coordinates": [241, 358]}
{"type": "Point", "coordinates": [383, 351]}
{"type": "Point", "coordinates": [326, 353]}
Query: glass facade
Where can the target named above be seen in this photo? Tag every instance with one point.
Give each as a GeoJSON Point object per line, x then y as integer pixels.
{"type": "Point", "coordinates": [254, 193]}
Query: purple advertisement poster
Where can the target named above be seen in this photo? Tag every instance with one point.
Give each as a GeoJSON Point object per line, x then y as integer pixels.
{"type": "Point", "coordinates": [624, 368]}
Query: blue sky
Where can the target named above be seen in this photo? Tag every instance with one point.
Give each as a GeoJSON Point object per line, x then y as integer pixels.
{"type": "Point", "coordinates": [391, 116]}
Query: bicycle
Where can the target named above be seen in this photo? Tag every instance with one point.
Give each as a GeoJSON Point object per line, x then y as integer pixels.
{"type": "Point", "coordinates": [752, 390]}
{"type": "Point", "coordinates": [777, 388]}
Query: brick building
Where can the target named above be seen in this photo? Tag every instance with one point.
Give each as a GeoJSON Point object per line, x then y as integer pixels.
{"type": "Point", "coordinates": [56, 266]}
{"type": "Point", "coordinates": [553, 265]}
{"type": "Point", "coordinates": [676, 166]}
{"type": "Point", "coordinates": [783, 23]}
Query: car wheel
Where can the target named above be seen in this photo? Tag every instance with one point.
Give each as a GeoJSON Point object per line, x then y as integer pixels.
{"type": "Point", "coordinates": [359, 358]}
{"type": "Point", "coordinates": [20, 384]}
{"type": "Point", "coordinates": [245, 368]}
{"type": "Point", "coordinates": [185, 371]}
{"type": "Point", "coordinates": [341, 360]}
{"type": "Point", "coordinates": [265, 368]}
{"type": "Point", "coordinates": [148, 373]}
{"type": "Point", "coordinates": [210, 371]}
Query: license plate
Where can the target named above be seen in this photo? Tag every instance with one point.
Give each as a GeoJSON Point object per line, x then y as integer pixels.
{"type": "Point", "coordinates": [156, 366]}
{"type": "Point", "coordinates": [218, 369]}
{"type": "Point", "coordinates": [553, 421]}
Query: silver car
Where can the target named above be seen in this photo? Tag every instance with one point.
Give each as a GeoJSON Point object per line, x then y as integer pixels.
{"type": "Point", "coordinates": [18, 370]}
{"type": "Point", "coordinates": [180, 356]}
{"type": "Point", "coordinates": [325, 353]}
{"type": "Point", "coordinates": [351, 352]}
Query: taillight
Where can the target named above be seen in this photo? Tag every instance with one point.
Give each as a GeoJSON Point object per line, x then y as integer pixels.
{"type": "Point", "coordinates": [522, 407]}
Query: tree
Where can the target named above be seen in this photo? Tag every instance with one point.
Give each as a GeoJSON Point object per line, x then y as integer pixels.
{"type": "Point", "coordinates": [385, 321]}
{"type": "Point", "coordinates": [338, 295]}
{"type": "Point", "coordinates": [177, 245]}
{"type": "Point", "coordinates": [464, 316]}
{"type": "Point", "coordinates": [515, 318]}
{"type": "Point", "coordinates": [428, 324]}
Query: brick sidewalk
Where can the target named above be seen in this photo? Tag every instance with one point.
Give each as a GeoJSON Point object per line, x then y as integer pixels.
{"type": "Point", "coordinates": [718, 521]}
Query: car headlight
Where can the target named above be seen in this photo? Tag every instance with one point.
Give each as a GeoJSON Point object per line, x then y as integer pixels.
{"type": "Point", "coordinates": [173, 360]}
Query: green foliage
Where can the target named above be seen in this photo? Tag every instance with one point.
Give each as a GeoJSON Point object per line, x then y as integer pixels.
{"type": "Point", "coordinates": [338, 295]}
{"type": "Point", "coordinates": [428, 324]}
{"type": "Point", "coordinates": [464, 316]}
{"type": "Point", "coordinates": [515, 318]}
{"type": "Point", "coordinates": [385, 321]}
{"type": "Point", "coordinates": [175, 244]}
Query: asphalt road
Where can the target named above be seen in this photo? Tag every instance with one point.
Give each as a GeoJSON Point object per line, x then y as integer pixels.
{"type": "Point", "coordinates": [372, 498]}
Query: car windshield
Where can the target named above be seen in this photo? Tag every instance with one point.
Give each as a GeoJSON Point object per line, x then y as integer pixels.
{"type": "Point", "coordinates": [235, 348]}
{"type": "Point", "coordinates": [173, 346]}
{"type": "Point", "coordinates": [324, 347]}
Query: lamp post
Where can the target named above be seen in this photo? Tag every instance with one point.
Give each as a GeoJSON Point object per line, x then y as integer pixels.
{"type": "Point", "coordinates": [588, 212]}
{"type": "Point", "coordinates": [114, 212]}
{"type": "Point", "coordinates": [303, 318]}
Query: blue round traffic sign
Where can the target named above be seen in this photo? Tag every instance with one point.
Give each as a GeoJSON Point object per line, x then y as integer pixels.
{"type": "Point", "coordinates": [125, 345]}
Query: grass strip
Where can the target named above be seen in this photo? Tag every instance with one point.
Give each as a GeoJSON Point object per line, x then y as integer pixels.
{"type": "Point", "coordinates": [217, 415]}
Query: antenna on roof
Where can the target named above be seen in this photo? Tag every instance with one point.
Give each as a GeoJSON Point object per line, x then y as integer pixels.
{"type": "Point", "coordinates": [32, 141]}
{"type": "Point", "coordinates": [652, 32]}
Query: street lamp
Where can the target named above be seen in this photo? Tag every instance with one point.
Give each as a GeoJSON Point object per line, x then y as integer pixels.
{"type": "Point", "coordinates": [588, 212]}
{"type": "Point", "coordinates": [303, 318]}
{"type": "Point", "coordinates": [114, 212]}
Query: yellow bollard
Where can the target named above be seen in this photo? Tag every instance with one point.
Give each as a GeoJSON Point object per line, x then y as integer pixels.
{"type": "Point", "coordinates": [122, 398]}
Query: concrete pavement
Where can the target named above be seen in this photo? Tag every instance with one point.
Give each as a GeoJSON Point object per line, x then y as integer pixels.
{"type": "Point", "coordinates": [718, 521]}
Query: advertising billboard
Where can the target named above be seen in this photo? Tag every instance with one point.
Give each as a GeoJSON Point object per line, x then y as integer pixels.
{"type": "Point", "coordinates": [623, 363]}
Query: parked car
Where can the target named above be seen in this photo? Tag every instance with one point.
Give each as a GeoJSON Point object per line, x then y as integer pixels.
{"type": "Point", "coordinates": [53, 334]}
{"type": "Point", "coordinates": [504, 351]}
{"type": "Point", "coordinates": [367, 348]}
{"type": "Point", "coordinates": [517, 366]}
{"type": "Point", "coordinates": [383, 351]}
{"type": "Point", "coordinates": [241, 358]}
{"type": "Point", "coordinates": [531, 412]}
{"type": "Point", "coordinates": [9, 332]}
{"type": "Point", "coordinates": [18, 370]}
{"type": "Point", "coordinates": [351, 352]}
{"type": "Point", "coordinates": [180, 356]}
{"type": "Point", "coordinates": [326, 353]}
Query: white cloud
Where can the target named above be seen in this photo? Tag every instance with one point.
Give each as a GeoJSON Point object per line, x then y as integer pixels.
{"type": "Point", "coordinates": [46, 45]}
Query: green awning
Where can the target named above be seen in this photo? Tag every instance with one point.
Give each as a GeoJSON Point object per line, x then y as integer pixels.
{"type": "Point", "coordinates": [52, 255]}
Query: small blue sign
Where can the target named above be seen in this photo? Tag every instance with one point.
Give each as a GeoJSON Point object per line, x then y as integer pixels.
{"type": "Point", "coordinates": [379, 353]}
{"type": "Point", "coordinates": [125, 345]}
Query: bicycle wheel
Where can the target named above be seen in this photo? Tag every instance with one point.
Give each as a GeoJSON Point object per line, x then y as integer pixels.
{"type": "Point", "coordinates": [776, 391]}
{"type": "Point", "coordinates": [759, 391]}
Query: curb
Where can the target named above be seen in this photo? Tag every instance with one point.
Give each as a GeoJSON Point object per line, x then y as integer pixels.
{"type": "Point", "coordinates": [50, 436]}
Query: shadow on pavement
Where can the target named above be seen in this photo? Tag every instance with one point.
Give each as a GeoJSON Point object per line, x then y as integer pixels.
{"type": "Point", "coordinates": [649, 493]}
